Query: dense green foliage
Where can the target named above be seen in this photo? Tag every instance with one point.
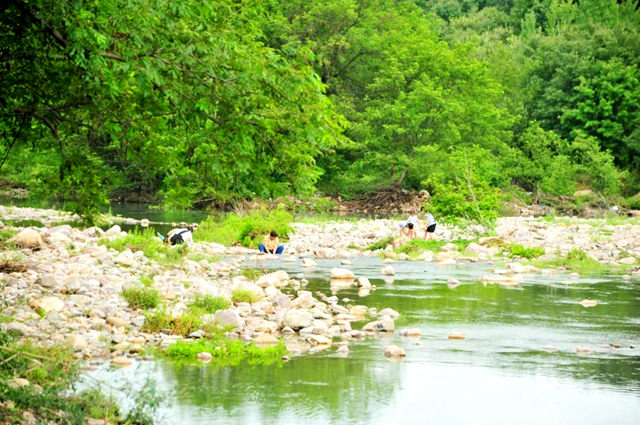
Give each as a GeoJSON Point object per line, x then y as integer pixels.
{"type": "Point", "coordinates": [226, 351]}
{"type": "Point", "coordinates": [247, 230]}
{"type": "Point", "coordinates": [195, 102]}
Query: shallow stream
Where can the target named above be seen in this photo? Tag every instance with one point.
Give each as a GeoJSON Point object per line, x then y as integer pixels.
{"type": "Point", "coordinates": [516, 365]}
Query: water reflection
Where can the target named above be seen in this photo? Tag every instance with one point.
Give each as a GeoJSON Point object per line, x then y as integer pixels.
{"type": "Point", "coordinates": [517, 364]}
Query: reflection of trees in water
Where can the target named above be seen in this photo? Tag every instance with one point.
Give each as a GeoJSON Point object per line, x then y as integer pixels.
{"type": "Point", "coordinates": [620, 371]}
{"type": "Point", "coordinates": [328, 388]}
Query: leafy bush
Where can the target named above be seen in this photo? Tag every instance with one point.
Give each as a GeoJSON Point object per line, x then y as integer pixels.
{"type": "Point", "coordinates": [158, 320]}
{"type": "Point", "coordinates": [141, 297]}
{"type": "Point", "coordinates": [248, 230]}
{"type": "Point", "coordinates": [528, 252]}
{"type": "Point", "coordinates": [251, 273]}
{"type": "Point", "coordinates": [209, 303]}
{"type": "Point", "coordinates": [244, 296]}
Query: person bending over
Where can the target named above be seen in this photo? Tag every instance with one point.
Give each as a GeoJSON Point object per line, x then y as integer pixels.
{"type": "Point", "coordinates": [431, 226]}
{"type": "Point", "coordinates": [270, 244]}
{"type": "Point", "coordinates": [180, 236]}
{"type": "Point", "coordinates": [408, 227]}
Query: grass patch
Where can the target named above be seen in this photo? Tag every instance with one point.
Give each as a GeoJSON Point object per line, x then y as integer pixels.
{"type": "Point", "coordinates": [244, 296]}
{"type": "Point", "coordinates": [210, 304]}
{"type": "Point", "coordinates": [160, 319]}
{"type": "Point", "coordinates": [381, 244]}
{"type": "Point", "coordinates": [147, 242]}
{"type": "Point", "coordinates": [578, 261]}
{"type": "Point", "coordinates": [141, 297]}
{"type": "Point", "coordinates": [416, 246]}
{"type": "Point", "coordinates": [147, 280]}
{"type": "Point", "coordinates": [526, 252]}
{"type": "Point", "coordinates": [226, 351]}
{"type": "Point", "coordinates": [251, 273]}
{"type": "Point", "coordinates": [5, 235]}
{"type": "Point", "coordinates": [248, 230]}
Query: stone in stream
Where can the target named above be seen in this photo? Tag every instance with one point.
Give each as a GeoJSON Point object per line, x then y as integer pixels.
{"type": "Point", "coordinates": [363, 282]}
{"type": "Point", "coordinates": [204, 357]}
{"type": "Point", "coordinates": [343, 350]}
{"type": "Point", "coordinates": [588, 303]}
{"type": "Point", "coordinates": [337, 273]}
{"type": "Point", "coordinates": [580, 350]}
{"type": "Point", "coordinates": [394, 352]}
{"type": "Point", "coordinates": [307, 262]}
{"type": "Point", "coordinates": [452, 282]}
{"type": "Point", "coordinates": [388, 271]}
{"type": "Point", "coordinates": [457, 335]}
{"type": "Point", "coordinates": [412, 332]}
{"type": "Point", "coordinates": [121, 361]}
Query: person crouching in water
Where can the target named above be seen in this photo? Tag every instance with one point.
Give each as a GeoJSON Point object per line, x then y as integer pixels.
{"type": "Point", "coordinates": [180, 236]}
{"type": "Point", "coordinates": [270, 244]}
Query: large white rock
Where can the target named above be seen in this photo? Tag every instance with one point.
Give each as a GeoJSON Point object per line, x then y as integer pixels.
{"type": "Point", "coordinates": [28, 238]}
{"type": "Point", "coordinates": [474, 248]}
{"type": "Point", "coordinates": [385, 324]}
{"type": "Point", "coordinates": [393, 351]}
{"type": "Point", "coordinates": [265, 339]}
{"type": "Point", "coordinates": [307, 262]}
{"type": "Point", "coordinates": [363, 282]}
{"type": "Point", "coordinates": [388, 271]}
{"type": "Point", "coordinates": [389, 312]}
{"type": "Point", "coordinates": [342, 274]}
{"type": "Point", "coordinates": [114, 230]}
{"type": "Point", "coordinates": [229, 318]}
{"type": "Point", "coordinates": [298, 319]}
{"type": "Point", "coordinates": [48, 304]}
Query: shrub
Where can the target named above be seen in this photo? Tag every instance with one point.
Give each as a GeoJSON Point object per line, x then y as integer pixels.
{"type": "Point", "coordinates": [159, 320]}
{"type": "Point", "coordinates": [249, 230]}
{"type": "Point", "coordinates": [141, 297]}
{"type": "Point", "coordinates": [528, 252]}
{"type": "Point", "coordinates": [210, 304]}
{"type": "Point", "coordinates": [245, 296]}
{"type": "Point", "coordinates": [251, 273]}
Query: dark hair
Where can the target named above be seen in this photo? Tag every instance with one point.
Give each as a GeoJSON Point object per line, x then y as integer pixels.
{"type": "Point", "coordinates": [273, 233]}
{"type": "Point", "coordinates": [410, 225]}
{"type": "Point", "coordinates": [190, 228]}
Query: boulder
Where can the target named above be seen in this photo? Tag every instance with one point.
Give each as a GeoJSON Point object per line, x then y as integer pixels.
{"type": "Point", "coordinates": [28, 238]}
{"type": "Point", "coordinates": [412, 332]}
{"type": "Point", "coordinates": [121, 361]}
{"type": "Point", "coordinates": [320, 340]}
{"type": "Point", "coordinates": [48, 304]}
{"type": "Point", "coordinates": [298, 319]}
{"type": "Point", "coordinates": [449, 247]}
{"type": "Point", "coordinates": [307, 262]}
{"type": "Point", "coordinates": [342, 274]}
{"type": "Point", "coordinates": [114, 230]}
{"type": "Point", "coordinates": [383, 325]}
{"type": "Point", "coordinates": [204, 357]}
{"type": "Point", "coordinates": [265, 340]}
{"type": "Point", "coordinates": [388, 271]}
{"type": "Point", "coordinates": [229, 318]}
{"type": "Point", "coordinates": [394, 352]}
{"type": "Point", "coordinates": [363, 282]}
{"type": "Point", "coordinates": [457, 335]}
{"type": "Point", "coordinates": [389, 312]}
{"type": "Point", "coordinates": [475, 249]}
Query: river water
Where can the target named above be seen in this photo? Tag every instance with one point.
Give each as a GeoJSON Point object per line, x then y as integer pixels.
{"type": "Point", "coordinates": [517, 364]}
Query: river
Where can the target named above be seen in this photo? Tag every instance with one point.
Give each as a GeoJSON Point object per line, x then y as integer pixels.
{"type": "Point", "coordinates": [516, 365]}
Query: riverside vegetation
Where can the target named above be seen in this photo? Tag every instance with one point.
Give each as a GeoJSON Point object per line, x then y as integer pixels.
{"type": "Point", "coordinates": [82, 294]}
{"type": "Point", "coordinates": [476, 101]}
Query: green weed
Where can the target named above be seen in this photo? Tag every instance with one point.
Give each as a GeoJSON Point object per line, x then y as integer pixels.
{"type": "Point", "coordinates": [141, 297]}
{"type": "Point", "coordinates": [244, 296]}
{"type": "Point", "coordinates": [210, 304]}
{"type": "Point", "coordinates": [226, 351]}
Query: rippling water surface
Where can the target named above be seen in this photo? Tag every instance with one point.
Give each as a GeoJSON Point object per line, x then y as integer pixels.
{"type": "Point", "coordinates": [516, 366]}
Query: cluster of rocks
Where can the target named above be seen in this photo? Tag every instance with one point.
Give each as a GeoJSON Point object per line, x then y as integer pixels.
{"type": "Point", "coordinates": [71, 291]}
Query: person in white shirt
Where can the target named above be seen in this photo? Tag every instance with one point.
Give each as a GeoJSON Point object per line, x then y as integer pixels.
{"type": "Point", "coordinates": [431, 225]}
{"type": "Point", "coordinates": [180, 236]}
{"type": "Point", "coordinates": [408, 227]}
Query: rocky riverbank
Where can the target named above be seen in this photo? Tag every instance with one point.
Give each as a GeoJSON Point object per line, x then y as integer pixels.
{"type": "Point", "coordinates": [62, 285]}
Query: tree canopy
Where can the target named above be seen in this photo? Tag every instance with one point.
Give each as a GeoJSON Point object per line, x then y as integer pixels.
{"type": "Point", "coordinates": [198, 101]}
